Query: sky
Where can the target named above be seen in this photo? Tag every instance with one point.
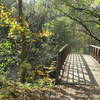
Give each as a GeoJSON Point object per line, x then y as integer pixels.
{"type": "Point", "coordinates": [27, 1]}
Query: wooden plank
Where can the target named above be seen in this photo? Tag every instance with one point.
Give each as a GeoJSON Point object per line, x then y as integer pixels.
{"type": "Point", "coordinates": [94, 67]}
{"type": "Point", "coordinates": [95, 46]}
{"type": "Point", "coordinates": [81, 69]}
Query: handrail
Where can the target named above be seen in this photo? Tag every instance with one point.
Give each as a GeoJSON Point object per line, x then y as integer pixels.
{"type": "Point", "coordinates": [95, 52]}
{"type": "Point", "coordinates": [62, 54]}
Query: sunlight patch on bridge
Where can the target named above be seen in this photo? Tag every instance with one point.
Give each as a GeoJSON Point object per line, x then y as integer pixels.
{"type": "Point", "coordinates": [77, 70]}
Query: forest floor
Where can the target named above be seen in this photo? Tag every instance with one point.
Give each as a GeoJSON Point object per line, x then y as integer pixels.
{"type": "Point", "coordinates": [74, 92]}
{"type": "Point", "coordinates": [59, 92]}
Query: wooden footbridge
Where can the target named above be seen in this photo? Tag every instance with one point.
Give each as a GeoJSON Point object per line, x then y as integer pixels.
{"type": "Point", "coordinates": [79, 69]}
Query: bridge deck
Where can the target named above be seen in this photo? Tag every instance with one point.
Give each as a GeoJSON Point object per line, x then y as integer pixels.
{"type": "Point", "coordinates": [81, 69]}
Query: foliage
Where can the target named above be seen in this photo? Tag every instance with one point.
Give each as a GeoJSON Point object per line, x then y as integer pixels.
{"type": "Point", "coordinates": [6, 55]}
{"type": "Point", "coordinates": [44, 33]}
{"type": "Point", "coordinates": [9, 42]}
{"type": "Point", "coordinates": [45, 82]}
{"type": "Point", "coordinates": [6, 19]}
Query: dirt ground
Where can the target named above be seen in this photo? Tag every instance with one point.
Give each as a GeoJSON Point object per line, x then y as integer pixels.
{"type": "Point", "coordinates": [58, 92]}
{"type": "Point", "coordinates": [70, 92]}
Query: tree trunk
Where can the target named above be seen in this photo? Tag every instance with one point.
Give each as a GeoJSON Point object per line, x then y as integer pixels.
{"type": "Point", "coordinates": [23, 41]}
{"type": "Point", "coordinates": [23, 37]}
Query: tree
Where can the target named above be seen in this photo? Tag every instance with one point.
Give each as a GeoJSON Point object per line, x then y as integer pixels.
{"type": "Point", "coordinates": [83, 11]}
{"type": "Point", "coordinates": [23, 43]}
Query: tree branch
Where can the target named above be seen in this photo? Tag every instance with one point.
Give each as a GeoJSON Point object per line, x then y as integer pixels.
{"type": "Point", "coordinates": [86, 11]}
{"type": "Point", "coordinates": [81, 23]}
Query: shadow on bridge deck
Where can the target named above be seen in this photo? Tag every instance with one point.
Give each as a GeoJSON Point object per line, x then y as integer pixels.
{"type": "Point", "coordinates": [81, 69]}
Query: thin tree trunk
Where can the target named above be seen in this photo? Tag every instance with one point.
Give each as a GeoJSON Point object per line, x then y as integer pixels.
{"type": "Point", "coordinates": [23, 37]}
{"type": "Point", "coordinates": [23, 42]}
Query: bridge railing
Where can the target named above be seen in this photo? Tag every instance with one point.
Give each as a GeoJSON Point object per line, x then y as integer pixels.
{"type": "Point", "coordinates": [95, 52]}
{"type": "Point", "coordinates": [62, 54]}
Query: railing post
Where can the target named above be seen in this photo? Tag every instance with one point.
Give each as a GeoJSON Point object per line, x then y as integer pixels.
{"type": "Point", "coordinates": [95, 52]}
{"type": "Point", "coordinates": [58, 67]}
{"type": "Point", "coordinates": [62, 54]}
